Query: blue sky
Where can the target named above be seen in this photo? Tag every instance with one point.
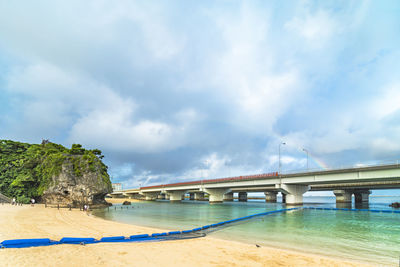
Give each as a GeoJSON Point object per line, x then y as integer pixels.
{"type": "Point", "coordinates": [171, 91]}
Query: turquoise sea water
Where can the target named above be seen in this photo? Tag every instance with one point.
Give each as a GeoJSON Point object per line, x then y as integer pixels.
{"type": "Point", "coordinates": [363, 236]}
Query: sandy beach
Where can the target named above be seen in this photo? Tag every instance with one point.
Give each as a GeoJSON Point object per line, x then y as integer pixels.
{"type": "Point", "coordinates": [40, 222]}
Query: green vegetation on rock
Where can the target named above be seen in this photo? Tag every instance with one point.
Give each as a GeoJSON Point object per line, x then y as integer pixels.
{"type": "Point", "coordinates": [27, 170]}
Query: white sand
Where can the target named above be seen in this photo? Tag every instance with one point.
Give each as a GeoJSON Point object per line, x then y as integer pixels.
{"type": "Point", "coordinates": [40, 222]}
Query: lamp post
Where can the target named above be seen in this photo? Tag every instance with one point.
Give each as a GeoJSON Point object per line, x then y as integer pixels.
{"type": "Point", "coordinates": [202, 178]}
{"type": "Point", "coordinates": [206, 162]}
{"type": "Point", "coordinates": [305, 150]}
{"type": "Point", "coordinates": [279, 161]}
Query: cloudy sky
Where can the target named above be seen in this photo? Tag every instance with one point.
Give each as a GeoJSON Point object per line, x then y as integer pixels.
{"type": "Point", "coordinates": [178, 90]}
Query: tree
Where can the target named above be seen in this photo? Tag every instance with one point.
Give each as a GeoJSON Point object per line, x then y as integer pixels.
{"type": "Point", "coordinates": [77, 149]}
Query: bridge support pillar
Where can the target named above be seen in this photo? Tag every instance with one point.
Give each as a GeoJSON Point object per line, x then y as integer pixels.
{"type": "Point", "coordinates": [135, 196]}
{"type": "Point", "coordinates": [361, 196]}
{"type": "Point", "coordinates": [293, 193]}
{"type": "Point", "coordinates": [270, 197]}
{"type": "Point", "coordinates": [199, 196]}
{"type": "Point", "coordinates": [176, 195]}
{"type": "Point", "coordinates": [167, 197]}
{"type": "Point", "coordinates": [242, 196]}
{"type": "Point", "coordinates": [216, 194]}
{"type": "Point", "coordinates": [228, 196]}
{"type": "Point", "coordinates": [150, 196]}
{"type": "Point", "coordinates": [161, 196]}
{"type": "Point", "coordinates": [191, 196]}
{"type": "Point", "coordinates": [343, 196]}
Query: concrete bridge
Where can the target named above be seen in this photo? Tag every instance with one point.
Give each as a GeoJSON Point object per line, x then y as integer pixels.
{"type": "Point", "coordinates": [343, 182]}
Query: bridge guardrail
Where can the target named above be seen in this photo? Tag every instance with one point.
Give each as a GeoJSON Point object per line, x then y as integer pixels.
{"type": "Point", "coordinates": [345, 167]}
{"type": "Point", "coordinates": [210, 181]}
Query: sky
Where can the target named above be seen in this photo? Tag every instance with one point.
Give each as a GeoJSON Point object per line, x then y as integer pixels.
{"type": "Point", "coordinates": [182, 90]}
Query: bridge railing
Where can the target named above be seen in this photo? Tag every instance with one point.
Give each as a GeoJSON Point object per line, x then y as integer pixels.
{"type": "Point", "coordinates": [218, 180]}
{"type": "Point", "coordinates": [345, 167]}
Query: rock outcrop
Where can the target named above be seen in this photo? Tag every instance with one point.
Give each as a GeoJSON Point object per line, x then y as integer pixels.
{"type": "Point", "coordinates": [88, 185]}
{"type": "Point", "coordinates": [395, 205]}
{"type": "Point", "coordinates": [52, 173]}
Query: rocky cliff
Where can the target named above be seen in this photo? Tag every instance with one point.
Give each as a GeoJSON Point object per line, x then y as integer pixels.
{"type": "Point", "coordinates": [79, 182]}
{"type": "Point", "coordinates": [53, 174]}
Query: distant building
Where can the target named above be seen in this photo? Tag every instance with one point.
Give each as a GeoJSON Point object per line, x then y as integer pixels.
{"type": "Point", "coordinates": [117, 186]}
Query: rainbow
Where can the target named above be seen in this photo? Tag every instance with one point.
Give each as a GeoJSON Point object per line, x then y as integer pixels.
{"type": "Point", "coordinates": [317, 161]}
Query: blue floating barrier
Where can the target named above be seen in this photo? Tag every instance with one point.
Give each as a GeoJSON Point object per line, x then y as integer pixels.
{"type": "Point", "coordinates": [138, 236]}
{"type": "Point", "coordinates": [375, 210]}
{"type": "Point", "coordinates": [206, 227]}
{"type": "Point", "coordinates": [396, 211]}
{"type": "Point", "coordinates": [77, 240]}
{"type": "Point", "coordinates": [187, 231]}
{"type": "Point", "coordinates": [196, 229]}
{"type": "Point", "coordinates": [174, 233]}
{"type": "Point", "coordinates": [387, 211]}
{"type": "Point", "coordinates": [23, 243]}
{"type": "Point", "coordinates": [26, 241]}
{"type": "Point", "coordinates": [158, 234]}
{"type": "Point", "coordinates": [112, 239]}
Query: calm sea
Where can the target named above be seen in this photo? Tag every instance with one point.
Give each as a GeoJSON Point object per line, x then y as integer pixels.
{"type": "Point", "coordinates": [363, 236]}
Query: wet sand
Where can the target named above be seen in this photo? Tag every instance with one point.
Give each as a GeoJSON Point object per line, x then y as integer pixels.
{"type": "Point", "coordinates": [39, 222]}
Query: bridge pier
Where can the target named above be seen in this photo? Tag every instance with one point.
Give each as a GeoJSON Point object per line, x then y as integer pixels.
{"type": "Point", "coordinates": [133, 195]}
{"type": "Point", "coordinates": [176, 195]}
{"type": "Point", "coordinates": [361, 196]}
{"type": "Point", "coordinates": [293, 193]}
{"type": "Point", "coordinates": [242, 196]}
{"type": "Point", "coordinates": [191, 196]}
{"type": "Point", "coordinates": [161, 196]}
{"type": "Point", "coordinates": [216, 194]}
{"type": "Point", "coordinates": [343, 196]}
{"type": "Point", "coordinates": [270, 197]}
{"type": "Point", "coordinates": [150, 196]}
{"type": "Point", "coordinates": [228, 196]}
{"type": "Point", "coordinates": [199, 196]}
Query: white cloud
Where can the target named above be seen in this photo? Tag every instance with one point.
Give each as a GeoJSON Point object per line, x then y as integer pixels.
{"type": "Point", "coordinates": [116, 128]}
{"type": "Point", "coordinates": [245, 72]}
{"type": "Point", "coordinates": [387, 103]}
{"type": "Point", "coordinates": [56, 98]}
{"type": "Point", "coordinates": [316, 28]}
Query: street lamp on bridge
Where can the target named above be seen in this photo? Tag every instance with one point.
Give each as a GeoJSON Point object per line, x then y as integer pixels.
{"type": "Point", "coordinates": [279, 160]}
{"type": "Point", "coordinates": [305, 150]}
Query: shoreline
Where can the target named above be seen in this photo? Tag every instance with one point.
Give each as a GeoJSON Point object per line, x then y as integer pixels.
{"type": "Point", "coordinates": [39, 222]}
